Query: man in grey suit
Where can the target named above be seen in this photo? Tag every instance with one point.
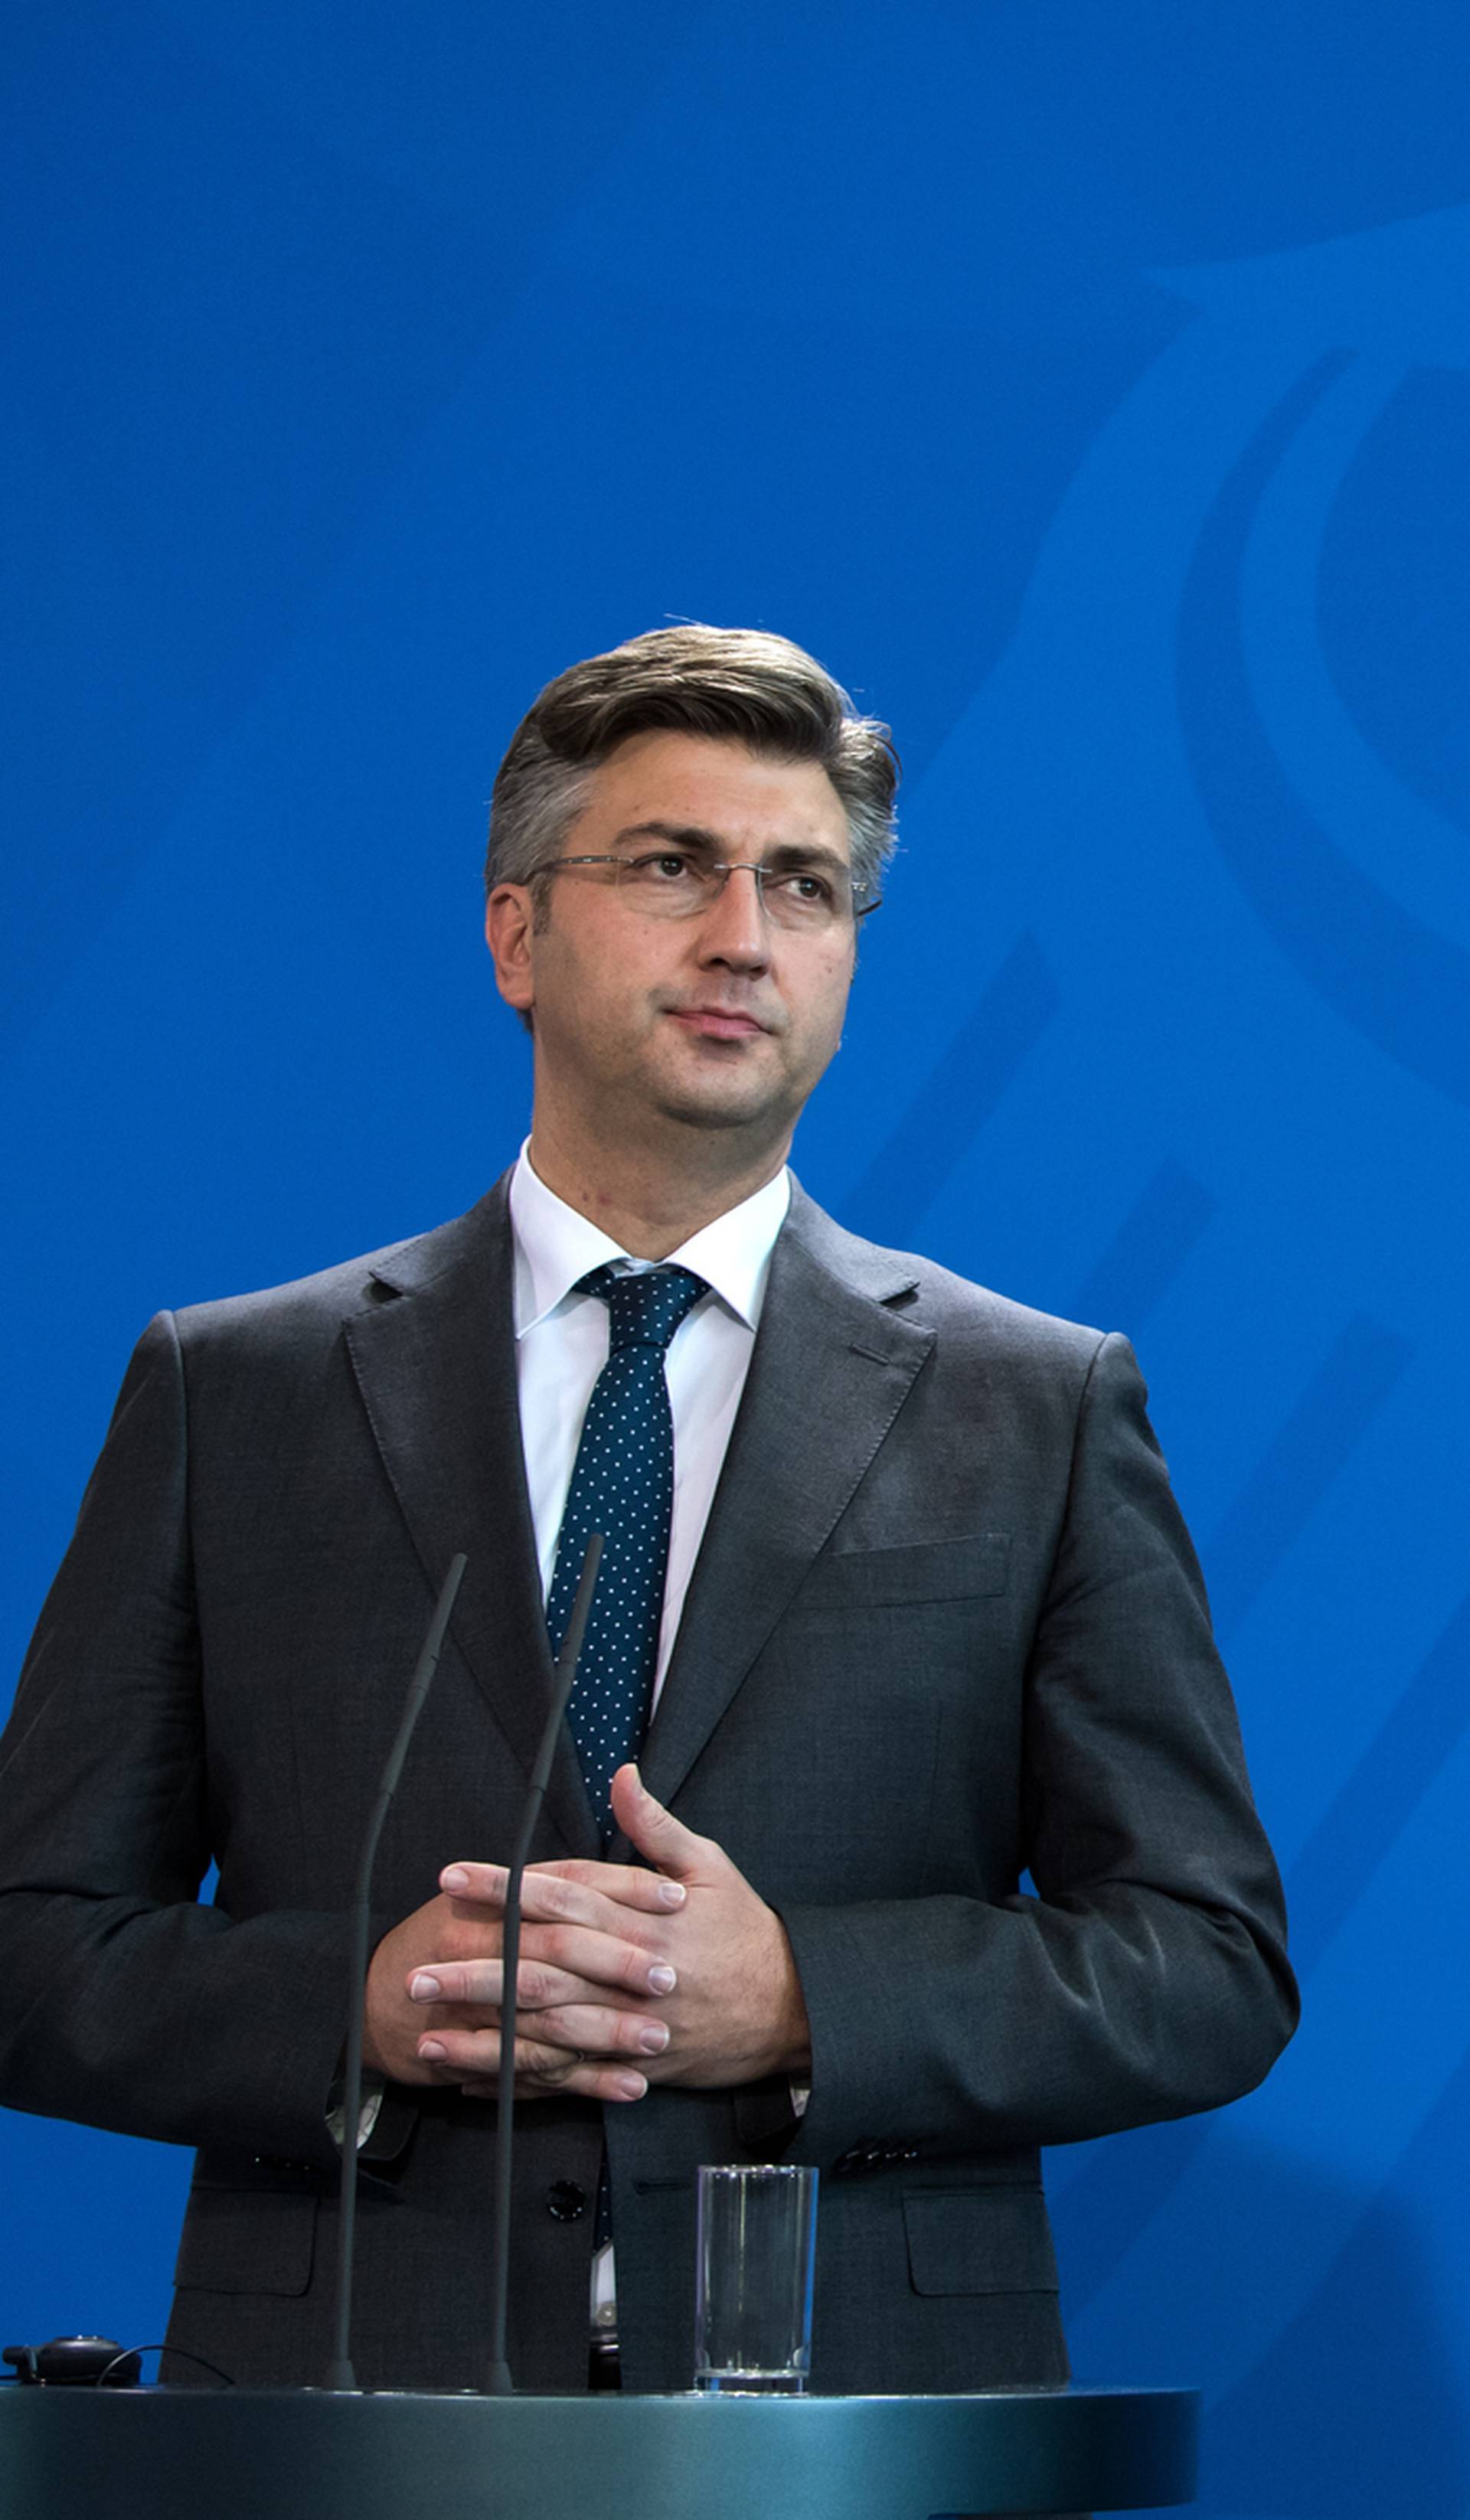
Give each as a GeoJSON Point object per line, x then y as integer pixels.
{"type": "Point", "coordinates": [930, 1621]}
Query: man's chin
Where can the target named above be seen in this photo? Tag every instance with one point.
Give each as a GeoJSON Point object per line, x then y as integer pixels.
{"type": "Point", "coordinates": [738, 1096]}
{"type": "Point", "coordinates": [719, 1111]}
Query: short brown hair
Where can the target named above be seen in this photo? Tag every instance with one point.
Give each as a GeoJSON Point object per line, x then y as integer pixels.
{"type": "Point", "coordinates": [742, 686]}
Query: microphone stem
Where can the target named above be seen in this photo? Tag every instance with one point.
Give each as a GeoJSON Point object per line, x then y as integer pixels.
{"type": "Point", "coordinates": [339, 2372]}
{"type": "Point", "coordinates": [498, 2383]}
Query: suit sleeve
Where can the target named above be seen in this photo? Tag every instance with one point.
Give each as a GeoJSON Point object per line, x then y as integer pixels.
{"type": "Point", "coordinates": [1147, 1978]}
{"type": "Point", "coordinates": [124, 2000]}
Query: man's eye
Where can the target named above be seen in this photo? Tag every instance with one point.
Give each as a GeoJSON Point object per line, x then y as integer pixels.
{"type": "Point", "coordinates": [663, 867]}
{"type": "Point", "coordinates": [810, 892]}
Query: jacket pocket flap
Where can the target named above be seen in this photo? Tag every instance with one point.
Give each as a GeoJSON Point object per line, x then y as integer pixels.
{"type": "Point", "coordinates": [930, 1570]}
{"type": "Point", "coordinates": [254, 2240]}
{"type": "Point", "coordinates": [978, 2239]}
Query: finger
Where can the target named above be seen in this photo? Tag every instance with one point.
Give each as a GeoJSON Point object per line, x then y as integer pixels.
{"type": "Point", "coordinates": [590, 2028]}
{"type": "Point", "coordinates": [453, 2054]}
{"type": "Point", "coordinates": [627, 1885]}
{"type": "Point", "coordinates": [573, 1889]}
{"type": "Point", "coordinates": [590, 2082]}
{"type": "Point", "coordinates": [559, 1963]}
{"type": "Point", "coordinates": [472, 2058]}
{"type": "Point", "coordinates": [601, 1959]}
{"type": "Point", "coordinates": [483, 1982]}
{"type": "Point", "coordinates": [478, 1884]}
{"type": "Point", "coordinates": [595, 2030]}
{"type": "Point", "coordinates": [558, 2069]}
{"type": "Point", "coordinates": [655, 1832]}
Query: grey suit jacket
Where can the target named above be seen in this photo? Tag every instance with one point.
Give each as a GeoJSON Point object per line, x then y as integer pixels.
{"type": "Point", "coordinates": [945, 1626]}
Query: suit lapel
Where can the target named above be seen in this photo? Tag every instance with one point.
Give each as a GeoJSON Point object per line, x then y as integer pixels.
{"type": "Point", "coordinates": [830, 1371]}
{"type": "Point", "coordinates": [433, 1351]}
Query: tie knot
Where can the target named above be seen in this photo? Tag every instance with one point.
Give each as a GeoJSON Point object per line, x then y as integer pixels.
{"type": "Point", "coordinates": [646, 1305]}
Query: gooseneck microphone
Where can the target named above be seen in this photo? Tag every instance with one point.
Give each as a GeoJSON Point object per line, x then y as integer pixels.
{"type": "Point", "coordinates": [499, 2383]}
{"type": "Point", "coordinates": [341, 2374]}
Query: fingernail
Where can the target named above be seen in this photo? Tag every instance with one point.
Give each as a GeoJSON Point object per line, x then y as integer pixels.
{"type": "Point", "coordinates": [425, 1988]}
{"type": "Point", "coordinates": [671, 1894]}
{"type": "Point", "coordinates": [632, 2086]}
{"type": "Point", "coordinates": [455, 1880]}
{"type": "Point", "coordinates": [653, 2038]}
{"type": "Point", "coordinates": [662, 1980]}
{"type": "Point", "coordinates": [433, 2050]}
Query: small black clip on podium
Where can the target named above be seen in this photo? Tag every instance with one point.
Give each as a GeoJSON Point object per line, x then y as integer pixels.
{"type": "Point", "coordinates": [272, 2455]}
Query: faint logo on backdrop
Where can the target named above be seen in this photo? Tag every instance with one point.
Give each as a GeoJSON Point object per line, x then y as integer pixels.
{"type": "Point", "coordinates": [1362, 884]}
{"type": "Point", "coordinates": [1175, 608]}
{"type": "Point", "coordinates": [1178, 592]}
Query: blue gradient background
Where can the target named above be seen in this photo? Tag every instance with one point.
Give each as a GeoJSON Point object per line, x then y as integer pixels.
{"type": "Point", "coordinates": [1088, 386]}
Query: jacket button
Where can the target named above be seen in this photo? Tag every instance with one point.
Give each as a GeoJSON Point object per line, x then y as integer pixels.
{"type": "Point", "coordinates": [566, 2202]}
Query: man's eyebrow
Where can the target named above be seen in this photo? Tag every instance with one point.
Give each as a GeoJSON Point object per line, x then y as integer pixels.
{"type": "Point", "coordinates": [687, 835]}
{"type": "Point", "coordinates": [693, 836]}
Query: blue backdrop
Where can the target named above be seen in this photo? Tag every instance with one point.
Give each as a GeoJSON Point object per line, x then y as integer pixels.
{"type": "Point", "coordinates": [1088, 386]}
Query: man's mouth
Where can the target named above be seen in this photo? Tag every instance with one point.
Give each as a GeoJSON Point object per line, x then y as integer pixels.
{"type": "Point", "coordinates": [719, 1023]}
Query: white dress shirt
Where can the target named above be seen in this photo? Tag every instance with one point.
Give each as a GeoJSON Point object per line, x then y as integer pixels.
{"type": "Point", "coordinates": [562, 1346]}
{"type": "Point", "coordinates": [561, 1340]}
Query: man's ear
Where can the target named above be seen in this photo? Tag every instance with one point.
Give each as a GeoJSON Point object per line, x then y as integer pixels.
{"type": "Point", "coordinates": [509, 922]}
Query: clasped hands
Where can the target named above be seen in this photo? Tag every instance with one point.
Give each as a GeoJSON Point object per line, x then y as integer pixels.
{"type": "Point", "coordinates": [672, 1971]}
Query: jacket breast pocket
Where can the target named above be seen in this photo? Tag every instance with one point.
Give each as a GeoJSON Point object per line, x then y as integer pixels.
{"type": "Point", "coordinates": [979, 2240]}
{"type": "Point", "coordinates": [925, 1570]}
{"type": "Point", "coordinates": [254, 2240]}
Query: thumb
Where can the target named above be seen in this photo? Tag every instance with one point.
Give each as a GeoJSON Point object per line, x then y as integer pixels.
{"type": "Point", "coordinates": [656, 1833]}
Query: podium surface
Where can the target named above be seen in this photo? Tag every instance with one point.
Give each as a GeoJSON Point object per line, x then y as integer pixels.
{"type": "Point", "coordinates": [275, 2455]}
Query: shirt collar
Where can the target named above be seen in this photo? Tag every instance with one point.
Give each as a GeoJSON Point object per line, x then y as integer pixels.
{"type": "Point", "coordinates": [556, 1245]}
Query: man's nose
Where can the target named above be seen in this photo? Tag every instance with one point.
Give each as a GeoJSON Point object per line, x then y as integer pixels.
{"type": "Point", "coordinates": [736, 927]}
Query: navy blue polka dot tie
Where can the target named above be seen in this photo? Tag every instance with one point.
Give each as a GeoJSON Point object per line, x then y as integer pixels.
{"type": "Point", "coordinates": [622, 1486]}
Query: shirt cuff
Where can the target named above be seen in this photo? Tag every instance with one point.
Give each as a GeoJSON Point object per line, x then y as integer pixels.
{"type": "Point", "coordinates": [367, 2115]}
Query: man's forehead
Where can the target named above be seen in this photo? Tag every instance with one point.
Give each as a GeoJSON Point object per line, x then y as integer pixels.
{"type": "Point", "coordinates": [673, 781]}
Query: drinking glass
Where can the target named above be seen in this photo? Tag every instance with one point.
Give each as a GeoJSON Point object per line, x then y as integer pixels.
{"type": "Point", "coordinates": [754, 2257]}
